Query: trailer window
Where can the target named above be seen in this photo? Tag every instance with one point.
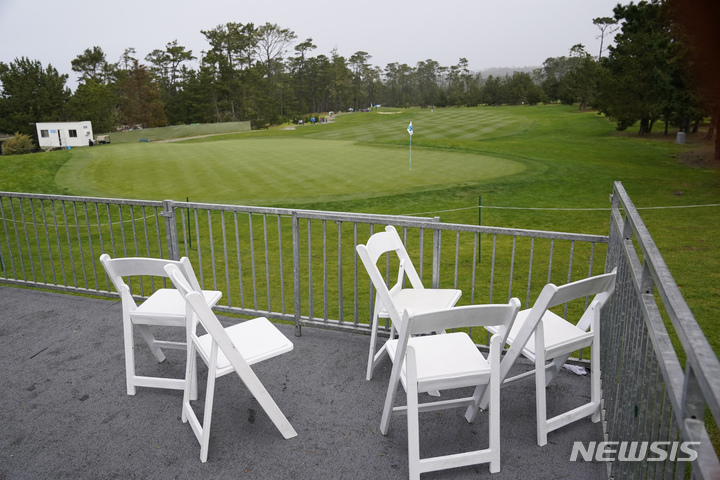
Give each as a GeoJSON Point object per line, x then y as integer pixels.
{"type": "Point", "coordinates": [44, 133]}
{"type": "Point", "coordinates": [73, 133]}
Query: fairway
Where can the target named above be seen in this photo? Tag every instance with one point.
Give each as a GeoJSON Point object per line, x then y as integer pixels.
{"type": "Point", "coordinates": [547, 167]}
{"type": "Point", "coordinates": [259, 171]}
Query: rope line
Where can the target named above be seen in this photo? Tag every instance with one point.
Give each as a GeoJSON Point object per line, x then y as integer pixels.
{"type": "Point", "coordinates": [79, 225]}
{"type": "Point", "coordinates": [436, 211]}
{"type": "Point", "coordinates": [561, 209]}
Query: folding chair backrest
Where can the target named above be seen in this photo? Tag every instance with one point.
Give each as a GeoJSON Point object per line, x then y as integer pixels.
{"type": "Point", "coordinates": [117, 268]}
{"type": "Point", "coordinates": [390, 241]}
{"type": "Point", "coordinates": [551, 295]}
{"type": "Point", "coordinates": [500, 315]}
{"type": "Point", "coordinates": [600, 284]}
{"type": "Point", "coordinates": [207, 318]}
{"type": "Point", "coordinates": [377, 245]}
{"type": "Point", "coordinates": [139, 266]}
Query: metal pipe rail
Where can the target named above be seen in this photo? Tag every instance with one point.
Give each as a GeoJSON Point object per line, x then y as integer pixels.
{"type": "Point", "coordinates": [286, 264]}
{"type": "Point", "coordinates": [647, 396]}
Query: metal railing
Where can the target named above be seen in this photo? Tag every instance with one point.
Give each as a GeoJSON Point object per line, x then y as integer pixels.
{"type": "Point", "coordinates": [300, 266]}
{"type": "Point", "coordinates": [647, 395]}
{"type": "Point", "coordinates": [292, 265]}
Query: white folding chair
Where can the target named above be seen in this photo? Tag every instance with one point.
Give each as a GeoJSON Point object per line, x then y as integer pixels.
{"type": "Point", "coordinates": [390, 303]}
{"type": "Point", "coordinates": [227, 350]}
{"type": "Point", "coordinates": [443, 362]}
{"type": "Point", "coordinates": [165, 307]}
{"type": "Point", "coordinates": [543, 336]}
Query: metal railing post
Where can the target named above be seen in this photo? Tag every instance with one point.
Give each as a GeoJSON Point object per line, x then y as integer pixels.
{"type": "Point", "coordinates": [173, 248]}
{"type": "Point", "coordinates": [296, 272]}
{"type": "Point", "coordinates": [437, 244]}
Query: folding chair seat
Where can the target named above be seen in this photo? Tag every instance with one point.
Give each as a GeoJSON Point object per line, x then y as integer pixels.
{"type": "Point", "coordinates": [548, 340]}
{"type": "Point", "coordinates": [227, 350]}
{"type": "Point", "coordinates": [424, 364]}
{"type": "Point", "coordinates": [165, 307]}
{"type": "Point", "coordinates": [390, 303]}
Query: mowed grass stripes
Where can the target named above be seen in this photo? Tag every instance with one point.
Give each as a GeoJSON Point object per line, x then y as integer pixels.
{"type": "Point", "coordinates": [271, 171]}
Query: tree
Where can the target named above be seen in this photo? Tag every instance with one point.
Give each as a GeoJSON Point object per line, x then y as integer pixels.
{"type": "Point", "coordinates": [30, 94]}
{"type": "Point", "coordinates": [696, 22]}
{"type": "Point", "coordinates": [340, 79]}
{"type": "Point", "coordinates": [581, 81]}
{"type": "Point", "coordinates": [494, 91]}
{"type": "Point", "coordinates": [551, 75]}
{"type": "Point", "coordinates": [167, 65]}
{"type": "Point", "coordinates": [360, 67]}
{"type": "Point", "coordinates": [96, 102]}
{"type": "Point", "coordinates": [628, 89]}
{"type": "Point", "coordinates": [517, 88]}
{"type": "Point", "coordinates": [299, 62]}
{"type": "Point", "coordinates": [428, 78]}
{"type": "Point", "coordinates": [127, 58]}
{"type": "Point", "coordinates": [607, 26]}
{"type": "Point", "coordinates": [92, 65]}
{"type": "Point", "coordinates": [230, 59]}
{"type": "Point", "coordinates": [140, 102]}
{"type": "Point", "coordinates": [272, 42]}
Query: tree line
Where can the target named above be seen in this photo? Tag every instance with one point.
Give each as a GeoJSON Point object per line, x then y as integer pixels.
{"type": "Point", "coordinates": [265, 75]}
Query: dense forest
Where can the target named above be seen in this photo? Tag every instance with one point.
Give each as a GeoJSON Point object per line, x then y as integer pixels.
{"type": "Point", "coordinates": [264, 74]}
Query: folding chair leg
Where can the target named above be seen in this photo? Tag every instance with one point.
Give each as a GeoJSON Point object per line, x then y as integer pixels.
{"type": "Point", "coordinates": [413, 420]}
{"type": "Point", "coordinates": [540, 393]}
{"type": "Point", "coordinates": [554, 368]}
{"type": "Point", "coordinates": [390, 400]}
{"type": "Point", "coordinates": [190, 366]}
{"type": "Point", "coordinates": [150, 340]}
{"type": "Point", "coordinates": [257, 389]}
{"type": "Point", "coordinates": [494, 413]}
{"type": "Point", "coordinates": [207, 416]}
{"type": "Point", "coordinates": [129, 357]}
{"type": "Point", "coordinates": [595, 386]}
{"type": "Point", "coordinates": [474, 407]}
{"type": "Point", "coordinates": [190, 392]}
{"type": "Point", "coordinates": [372, 361]}
{"type": "Point", "coordinates": [267, 403]}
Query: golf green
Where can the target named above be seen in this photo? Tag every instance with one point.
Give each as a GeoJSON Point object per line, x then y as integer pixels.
{"type": "Point", "coordinates": [260, 171]}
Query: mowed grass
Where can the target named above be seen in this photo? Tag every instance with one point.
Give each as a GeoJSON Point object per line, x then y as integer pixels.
{"type": "Point", "coordinates": [554, 164]}
{"type": "Point", "coordinates": [270, 171]}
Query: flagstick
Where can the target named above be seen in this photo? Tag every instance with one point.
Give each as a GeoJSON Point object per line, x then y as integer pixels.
{"type": "Point", "coordinates": [410, 153]}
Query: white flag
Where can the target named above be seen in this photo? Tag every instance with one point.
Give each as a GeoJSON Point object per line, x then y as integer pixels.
{"type": "Point", "coordinates": [410, 130]}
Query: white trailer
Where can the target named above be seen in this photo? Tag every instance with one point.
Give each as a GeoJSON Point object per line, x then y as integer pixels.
{"type": "Point", "coordinates": [64, 134]}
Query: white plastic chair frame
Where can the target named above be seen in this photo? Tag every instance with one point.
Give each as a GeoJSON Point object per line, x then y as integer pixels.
{"type": "Point", "coordinates": [441, 362]}
{"type": "Point", "coordinates": [227, 350]}
{"type": "Point", "coordinates": [165, 307]}
{"type": "Point", "coordinates": [542, 336]}
{"type": "Point", "coordinates": [389, 303]}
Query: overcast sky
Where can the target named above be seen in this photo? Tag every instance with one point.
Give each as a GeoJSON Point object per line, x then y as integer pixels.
{"type": "Point", "coordinates": [497, 33]}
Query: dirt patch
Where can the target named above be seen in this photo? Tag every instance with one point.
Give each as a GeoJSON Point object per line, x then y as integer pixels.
{"type": "Point", "coordinates": [701, 157]}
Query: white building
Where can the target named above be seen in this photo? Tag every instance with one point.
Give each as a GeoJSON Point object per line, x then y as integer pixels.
{"type": "Point", "coordinates": [64, 134]}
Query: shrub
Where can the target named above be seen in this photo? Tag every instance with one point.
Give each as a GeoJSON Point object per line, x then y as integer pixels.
{"type": "Point", "coordinates": [18, 144]}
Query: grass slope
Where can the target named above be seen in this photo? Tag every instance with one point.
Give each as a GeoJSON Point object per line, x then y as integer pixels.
{"type": "Point", "coordinates": [544, 156]}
